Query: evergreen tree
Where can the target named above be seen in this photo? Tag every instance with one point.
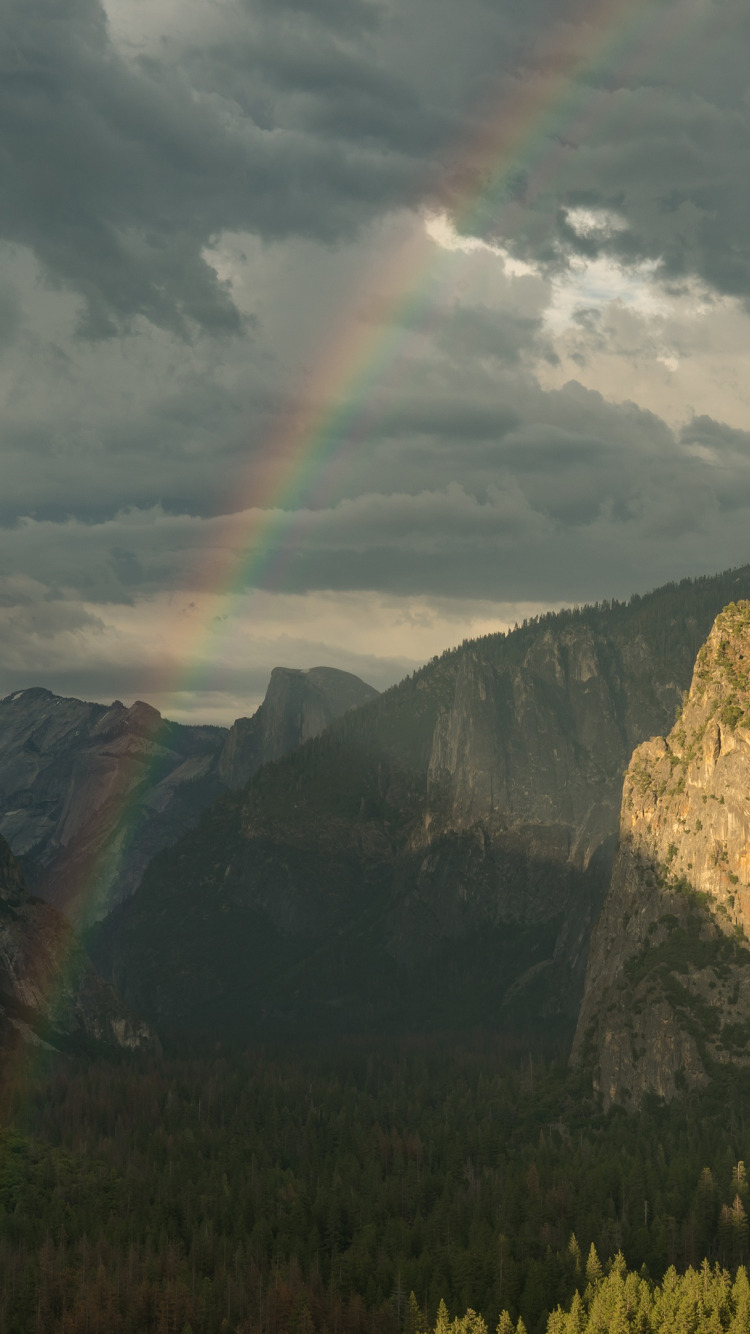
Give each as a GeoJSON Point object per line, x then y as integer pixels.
{"type": "Point", "coordinates": [593, 1268]}
{"type": "Point", "coordinates": [414, 1322]}
{"type": "Point", "coordinates": [443, 1322]}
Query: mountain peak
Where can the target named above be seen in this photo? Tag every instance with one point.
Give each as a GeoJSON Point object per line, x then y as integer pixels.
{"type": "Point", "coordinates": [298, 705]}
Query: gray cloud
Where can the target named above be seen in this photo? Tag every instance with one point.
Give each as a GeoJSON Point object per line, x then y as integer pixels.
{"type": "Point", "coordinates": [583, 494]}
{"type": "Point", "coordinates": [310, 119]}
{"type": "Point", "coordinates": [118, 173]}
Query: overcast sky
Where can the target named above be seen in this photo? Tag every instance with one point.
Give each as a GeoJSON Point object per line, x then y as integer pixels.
{"type": "Point", "coordinates": [337, 331]}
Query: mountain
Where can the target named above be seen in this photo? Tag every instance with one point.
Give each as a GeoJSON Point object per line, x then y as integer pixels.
{"type": "Point", "coordinates": [298, 705]}
{"type": "Point", "coordinates": [89, 793]}
{"type": "Point", "coordinates": [49, 990]}
{"type": "Point", "coordinates": [667, 993]}
{"type": "Point", "coordinates": [437, 857]}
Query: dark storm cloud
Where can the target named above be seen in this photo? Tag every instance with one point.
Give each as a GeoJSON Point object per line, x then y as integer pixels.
{"type": "Point", "coordinates": [117, 174]}
{"type": "Point", "coordinates": [315, 117]}
{"type": "Point", "coordinates": [10, 314]}
{"type": "Point", "coordinates": [716, 436]}
{"type": "Point", "coordinates": [658, 132]}
{"type": "Point", "coordinates": [598, 498]}
{"type": "Point", "coordinates": [305, 120]}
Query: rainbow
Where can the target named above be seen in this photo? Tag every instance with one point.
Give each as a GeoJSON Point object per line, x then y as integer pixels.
{"type": "Point", "coordinates": [525, 133]}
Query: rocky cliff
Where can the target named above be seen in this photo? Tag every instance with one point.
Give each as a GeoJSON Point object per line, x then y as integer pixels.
{"type": "Point", "coordinates": [438, 856]}
{"type": "Point", "coordinates": [89, 794]}
{"type": "Point", "coordinates": [49, 990]}
{"type": "Point", "coordinates": [667, 993]}
{"type": "Point", "coordinates": [298, 705]}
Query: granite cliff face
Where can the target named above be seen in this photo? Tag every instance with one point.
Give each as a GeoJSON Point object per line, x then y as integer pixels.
{"type": "Point", "coordinates": [298, 705]}
{"type": "Point", "coordinates": [49, 990]}
{"type": "Point", "coordinates": [534, 747]}
{"type": "Point", "coordinates": [667, 994]}
{"type": "Point", "coordinates": [438, 856]}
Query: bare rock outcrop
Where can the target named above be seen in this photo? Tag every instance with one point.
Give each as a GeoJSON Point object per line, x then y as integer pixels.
{"type": "Point", "coordinates": [667, 992]}
{"type": "Point", "coordinates": [298, 705]}
{"type": "Point", "coordinates": [49, 990]}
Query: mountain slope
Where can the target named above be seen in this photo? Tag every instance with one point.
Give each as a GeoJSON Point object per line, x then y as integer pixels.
{"type": "Point", "coordinates": [49, 990]}
{"type": "Point", "coordinates": [89, 794]}
{"type": "Point", "coordinates": [438, 856]}
{"type": "Point", "coordinates": [667, 995]}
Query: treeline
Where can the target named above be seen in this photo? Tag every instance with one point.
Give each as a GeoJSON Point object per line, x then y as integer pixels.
{"type": "Point", "coordinates": [314, 1191]}
{"type": "Point", "coordinates": [707, 1301]}
{"type": "Point", "coordinates": [704, 1301]}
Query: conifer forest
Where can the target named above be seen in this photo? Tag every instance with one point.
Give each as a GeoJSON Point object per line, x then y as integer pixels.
{"type": "Point", "coordinates": [366, 1189]}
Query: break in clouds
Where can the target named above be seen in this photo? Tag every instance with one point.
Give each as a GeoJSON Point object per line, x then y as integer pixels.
{"type": "Point", "coordinates": [203, 207]}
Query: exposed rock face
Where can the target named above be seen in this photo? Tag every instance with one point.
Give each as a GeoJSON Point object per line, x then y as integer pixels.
{"type": "Point", "coordinates": [437, 856]}
{"type": "Point", "coordinates": [49, 990]}
{"type": "Point", "coordinates": [298, 705]}
{"type": "Point", "coordinates": [88, 794]}
{"type": "Point", "coordinates": [540, 744]}
{"type": "Point", "coordinates": [667, 991]}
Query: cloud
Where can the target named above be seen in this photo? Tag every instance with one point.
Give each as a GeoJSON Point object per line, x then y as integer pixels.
{"type": "Point", "coordinates": [510, 306]}
{"type": "Point", "coordinates": [570, 493]}
{"type": "Point", "coordinates": [119, 172]}
{"type": "Point", "coordinates": [122, 166]}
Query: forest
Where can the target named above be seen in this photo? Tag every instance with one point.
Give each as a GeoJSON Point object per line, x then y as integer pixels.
{"type": "Point", "coordinates": [364, 1187]}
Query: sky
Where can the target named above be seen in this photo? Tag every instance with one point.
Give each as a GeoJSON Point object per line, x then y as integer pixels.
{"type": "Point", "coordinates": [334, 332]}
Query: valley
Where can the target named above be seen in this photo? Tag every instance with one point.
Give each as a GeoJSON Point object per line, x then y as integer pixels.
{"type": "Point", "coordinates": [418, 1009]}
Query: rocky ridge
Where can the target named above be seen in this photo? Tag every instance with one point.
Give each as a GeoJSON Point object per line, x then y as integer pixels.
{"type": "Point", "coordinates": [50, 992]}
{"type": "Point", "coordinates": [667, 992]}
{"type": "Point", "coordinates": [89, 793]}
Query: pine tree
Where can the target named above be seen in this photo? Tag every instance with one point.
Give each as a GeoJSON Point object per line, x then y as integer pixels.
{"type": "Point", "coordinates": [575, 1321]}
{"type": "Point", "coordinates": [574, 1251]}
{"type": "Point", "coordinates": [443, 1322]}
{"type": "Point", "coordinates": [413, 1319]}
{"type": "Point", "coordinates": [593, 1267]}
{"type": "Point", "coordinates": [739, 1228]}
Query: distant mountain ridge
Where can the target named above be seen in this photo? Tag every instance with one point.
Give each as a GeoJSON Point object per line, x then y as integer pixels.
{"type": "Point", "coordinates": [90, 793]}
{"type": "Point", "coordinates": [437, 857]}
